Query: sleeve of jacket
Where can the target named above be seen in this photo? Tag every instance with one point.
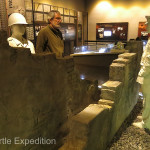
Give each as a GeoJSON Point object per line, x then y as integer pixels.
{"type": "Point", "coordinates": [40, 43]}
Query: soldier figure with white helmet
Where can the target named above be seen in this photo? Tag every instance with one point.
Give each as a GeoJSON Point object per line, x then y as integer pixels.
{"type": "Point", "coordinates": [17, 23]}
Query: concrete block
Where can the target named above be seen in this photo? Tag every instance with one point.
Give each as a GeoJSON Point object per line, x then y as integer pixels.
{"type": "Point", "coordinates": [121, 61]}
{"type": "Point", "coordinates": [106, 102]}
{"type": "Point", "coordinates": [128, 56]}
{"type": "Point", "coordinates": [117, 72]}
{"type": "Point", "coordinates": [89, 129]}
{"type": "Point", "coordinates": [108, 94]}
{"type": "Point", "coordinates": [112, 85]}
{"type": "Point", "coordinates": [88, 114]}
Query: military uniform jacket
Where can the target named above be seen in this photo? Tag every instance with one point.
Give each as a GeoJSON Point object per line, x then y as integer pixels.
{"type": "Point", "coordinates": [13, 42]}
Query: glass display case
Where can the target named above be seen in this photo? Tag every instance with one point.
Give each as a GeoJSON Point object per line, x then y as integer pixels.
{"type": "Point", "coordinates": [94, 48]}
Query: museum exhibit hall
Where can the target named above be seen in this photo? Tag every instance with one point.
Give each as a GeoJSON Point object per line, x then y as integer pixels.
{"type": "Point", "coordinates": [75, 74]}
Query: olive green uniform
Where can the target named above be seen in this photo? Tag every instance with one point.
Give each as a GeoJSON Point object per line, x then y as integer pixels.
{"type": "Point", "coordinates": [50, 40]}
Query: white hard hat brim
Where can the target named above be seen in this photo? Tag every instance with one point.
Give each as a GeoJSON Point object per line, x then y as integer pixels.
{"type": "Point", "coordinates": [17, 23]}
{"type": "Point", "coordinates": [16, 18]}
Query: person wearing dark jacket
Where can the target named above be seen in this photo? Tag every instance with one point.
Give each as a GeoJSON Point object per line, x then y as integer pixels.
{"type": "Point", "coordinates": [50, 38]}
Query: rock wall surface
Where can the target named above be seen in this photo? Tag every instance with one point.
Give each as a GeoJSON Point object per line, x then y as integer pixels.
{"type": "Point", "coordinates": [38, 95]}
{"type": "Point", "coordinates": [95, 126]}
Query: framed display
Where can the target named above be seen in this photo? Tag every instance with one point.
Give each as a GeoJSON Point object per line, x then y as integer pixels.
{"type": "Point", "coordinates": [46, 8]}
{"type": "Point", "coordinates": [72, 13]}
{"type": "Point", "coordinates": [54, 8]}
{"type": "Point", "coordinates": [38, 17]}
{"type": "Point", "coordinates": [38, 7]}
{"type": "Point", "coordinates": [112, 31]}
{"type": "Point", "coordinates": [28, 5]}
{"type": "Point", "coordinates": [66, 19]}
{"type": "Point", "coordinates": [15, 6]}
{"type": "Point", "coordinates": [29, 17]}
{"type": "Point", "coordinates": [60, 9]}
{"type": "Point", "coordinates": [142, 32]}
{"type": "Point", "coordinates": [66, 11]}
{"type": "Point", "coordinates": [71, 19]}
{"type": "Point", "coordinates": [80, 17]}
{"type": "Point", "coordinates": [45, 17]}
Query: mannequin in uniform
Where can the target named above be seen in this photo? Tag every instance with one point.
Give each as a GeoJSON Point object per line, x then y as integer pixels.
{"type": "Point", "coordinates": [144, 80]}
{"type": "Point", "coordinates": [17, 23]}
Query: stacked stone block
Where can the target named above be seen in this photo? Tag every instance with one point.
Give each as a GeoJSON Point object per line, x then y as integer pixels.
{"type": "Point", "coordinates": [36, 94]}
{"type": "Point", "coordinates": [95, 126]}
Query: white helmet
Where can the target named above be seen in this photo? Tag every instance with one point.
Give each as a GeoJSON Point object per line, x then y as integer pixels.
{"type": "Point", "coordinates": [16, 18]}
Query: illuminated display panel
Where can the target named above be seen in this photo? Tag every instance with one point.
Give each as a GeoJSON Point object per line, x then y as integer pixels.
{"type": "Point", "coordinates": [107, 33]}
{"type": "Point", "coordinates": [112, 31]}
{"type": "Point", "coordinates": [142, 31]}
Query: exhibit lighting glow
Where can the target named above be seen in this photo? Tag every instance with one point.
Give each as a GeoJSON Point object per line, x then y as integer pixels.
{"type": "Point", "coordinates": [110, 45]}
{"type": "Point", "coordinates": [141, 95]}
{"type": "Point", "coordinates": [104, 5]}
{"type": "Point", "coordinates": [83, 49]}
{"type": "Point", "coordinates": [102, 50]}
{"type": "Point", "coordinates": [82, 77]}
{"type": "Point", "coordinates": [99, 86]}
{"type": "Point", "coordinates": [144, 43]}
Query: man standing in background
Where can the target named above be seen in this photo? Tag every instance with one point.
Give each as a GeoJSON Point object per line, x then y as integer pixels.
{"type": "Point", "coordinates": [50, 38]}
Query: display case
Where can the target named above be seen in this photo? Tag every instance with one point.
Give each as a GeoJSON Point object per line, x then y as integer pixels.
{"type": "Point", "coordinates": [94, 48]}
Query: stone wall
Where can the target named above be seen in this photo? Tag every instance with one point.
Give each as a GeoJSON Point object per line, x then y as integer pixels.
{"type": "Point", "coordinates": [38, 94]}
{"type": "Point", "coordinates": [95, 126]}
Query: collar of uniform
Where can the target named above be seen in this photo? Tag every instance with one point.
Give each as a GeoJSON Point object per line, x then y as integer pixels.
{"type": "Point", "coordinates": [17, 42]}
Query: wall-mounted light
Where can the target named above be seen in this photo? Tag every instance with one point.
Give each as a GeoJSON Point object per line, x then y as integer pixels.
{"type": "Point", "coordinates": [104, 5]}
